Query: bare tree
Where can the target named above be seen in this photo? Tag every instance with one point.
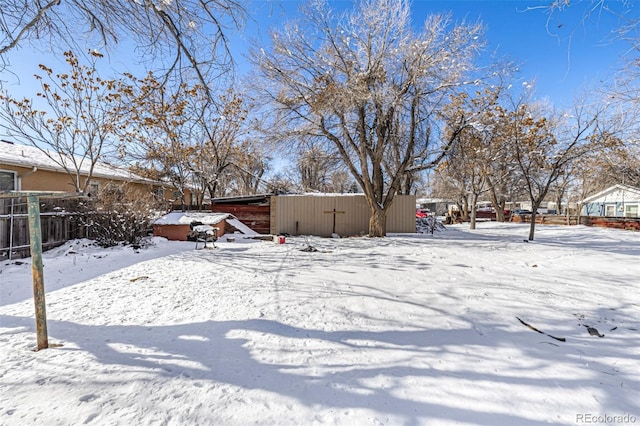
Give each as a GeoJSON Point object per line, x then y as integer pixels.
{"type": "Point", "coordinates": [250, 164]}
{"type": "Point", "coordinates": [563, 25]}
{"type": "Point", "coordinates": [621, 90]}
{"type": "Point", "coordinates": [476, 157]}
{"type": "Point", "coordinates": [544, 145]}
{"type": "Point", "coordinates": [450, 183]}
{"type": "Point", "coordinates": [622, 94]}
{"type": "Point", "coordinates": [607, 165]}
{"type": "Point", "coordinates": [181, 34]}
{"type": "Point", "coordinates": [156, 133]}
{"type": "Point", "coordinates": [199, 145]}
{"type": "Point", "coordinates": [216, 136]}
{"type": "Point", "coordinates": [369, 85]}
{"type": "Point", "coordinates": [76, 124]}
{"type": "Point", "coordinates": [316, 167]}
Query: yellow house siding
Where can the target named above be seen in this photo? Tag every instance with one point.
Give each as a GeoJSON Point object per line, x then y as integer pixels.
{"type": "Point", "coordinates": [44, 180]}
{"type": "Point", "coordinates": [40, 180]}
{"type": "Point", "coordinates": [49, 180]}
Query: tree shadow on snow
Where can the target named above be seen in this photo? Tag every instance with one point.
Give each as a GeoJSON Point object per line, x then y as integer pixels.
{"type": "Point", "coordinates": [344, 369]}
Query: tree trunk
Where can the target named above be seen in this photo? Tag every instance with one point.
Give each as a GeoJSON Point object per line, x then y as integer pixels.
{"type": "Point", "coordinates": [378, 222]}
{"type": "Point", "coordinates": [534, 214]}
{"type": "Point", "coordinates": [474, 201]}
{"type": "Point", "coordinates": [200, 200]}
{"type": "Point", "coordinates": [498, 205]}
{"type": "Point", "coordinates": [465, 209]}
{"type": "Point", "coordinates": [559, 196]}
{"type": "Point", "coordinates": [532, 225]}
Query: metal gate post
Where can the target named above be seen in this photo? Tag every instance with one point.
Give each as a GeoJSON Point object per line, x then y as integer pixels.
{"type": "Point", "coordinates": [11, 230]}
{"type": "Point", "coordinates": [35, 237]}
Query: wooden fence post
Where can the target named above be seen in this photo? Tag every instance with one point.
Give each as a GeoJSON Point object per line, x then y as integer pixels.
{"type": "Point", "coordinates": [35, 236]}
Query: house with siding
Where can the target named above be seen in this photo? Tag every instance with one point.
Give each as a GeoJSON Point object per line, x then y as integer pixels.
{"type": "Point", "coordinates": [616, 201]}
{"type": "Point", "coordinates": [27, 168]}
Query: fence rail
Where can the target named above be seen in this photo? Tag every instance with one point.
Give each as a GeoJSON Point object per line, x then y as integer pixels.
{"type": "Point", "coordinates": [547, 219]}
{"type": "Point", "coordinates": [56, 228]}
{"type": "Point", "coordinates": [628, 223]}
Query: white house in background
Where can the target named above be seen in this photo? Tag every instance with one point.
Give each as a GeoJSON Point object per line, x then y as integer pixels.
{"type": "Point", "coordinates": [439, 206]}
{"type": "Point", "coordinates": [615, 201]}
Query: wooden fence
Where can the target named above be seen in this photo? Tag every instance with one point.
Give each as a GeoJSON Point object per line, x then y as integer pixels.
{"type": "Point", "coordinates": [547, 219]}
{"type": "Point", "coordinates": [56, 227]}
{"type": "Point", "coordinates": [256, 217]}
{"type": "Point", "coordinates": [628, 223]}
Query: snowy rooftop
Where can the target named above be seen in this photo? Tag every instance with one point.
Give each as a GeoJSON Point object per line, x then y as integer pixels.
{"type": "Point", "coordinates": [29, 156]}
{"type": "Point", "coordinates": [433, 200]}
{"type": "Point", "coordinates": [185, 218]}
{"type": "Point", "coordinates": [615, 193]}
{"type": "Point", "coordinates": [323, 194]}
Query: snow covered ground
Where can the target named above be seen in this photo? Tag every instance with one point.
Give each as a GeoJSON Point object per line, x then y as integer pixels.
{"type": "Point", "coordinates": [409, 329]}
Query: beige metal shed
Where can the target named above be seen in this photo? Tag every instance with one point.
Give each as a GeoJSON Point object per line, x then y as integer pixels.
{"type": "Point", "coordinates": [343, 214]}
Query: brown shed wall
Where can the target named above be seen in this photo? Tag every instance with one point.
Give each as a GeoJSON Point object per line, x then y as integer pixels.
{"type": "Point", "coordinates": [314, 215]}
{"type": "Point", "coordinates": [254, 216]}
{"type": "Point", "coordinates": [172, 232]}
{"type": "Point", "coordinates": [179, 232]}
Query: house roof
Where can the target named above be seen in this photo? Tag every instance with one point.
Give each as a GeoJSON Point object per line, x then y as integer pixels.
{"type": "Point", "coordinates": [433, 200]}
{"type": "Point", "coordinates": [629, 192]}
{"type": "Point", "coordinates": [19, 155]}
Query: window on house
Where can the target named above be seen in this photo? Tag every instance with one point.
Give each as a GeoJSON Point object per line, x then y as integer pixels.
{"type": "Point", "coordinates": [94, 189]}
{"type": "Point", "coordinates": [159, 192]}
{"type": "Point", "coordinates": [610, 210]}
{"type": "Point", "coordinates": [8, 181]}
{"type": "Point", "coordinates": [631, 211]}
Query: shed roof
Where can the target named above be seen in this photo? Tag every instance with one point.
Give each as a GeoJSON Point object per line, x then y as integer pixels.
{"type": "Point", "coordinates": [243, 199]}
{"type": "Point", "coordinates": [324, 194]}
{"type": "Point", "coordinates": [185, 218]}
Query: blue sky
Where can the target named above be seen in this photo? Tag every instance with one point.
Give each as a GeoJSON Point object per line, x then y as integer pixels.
{"type": "Point", "coordinates": [562, 54]}
{"type": "Point", "coordinates": [574, 57]}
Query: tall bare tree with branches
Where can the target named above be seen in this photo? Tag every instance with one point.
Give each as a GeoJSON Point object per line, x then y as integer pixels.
{"type": "Point", "coordinates": [174, 34]}
{"type": "Point", "coordinates": [369, 86]}
{"type": "Point", "coordinates": [545, 143]}
{"type": "Point", "coordinates": [73, 119]}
